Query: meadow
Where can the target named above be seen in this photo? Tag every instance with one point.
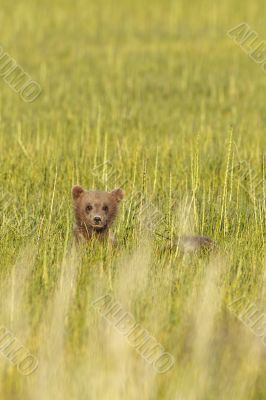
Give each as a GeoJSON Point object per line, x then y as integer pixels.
{"type": "Point", "coordinates": [153, 97]}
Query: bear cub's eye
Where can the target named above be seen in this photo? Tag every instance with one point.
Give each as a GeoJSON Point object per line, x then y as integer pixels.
{"type": "Point", "coordinates": [88, 208]}
{"type": "Point", "coordinates": [105, 208]}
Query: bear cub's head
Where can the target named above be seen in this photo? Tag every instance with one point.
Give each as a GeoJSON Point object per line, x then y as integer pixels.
{"type": "Point", "coordinates": [96, 210]}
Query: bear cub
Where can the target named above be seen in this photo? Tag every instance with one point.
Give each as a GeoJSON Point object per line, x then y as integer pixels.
{"type": "Point", "coordinates": [95, 212]}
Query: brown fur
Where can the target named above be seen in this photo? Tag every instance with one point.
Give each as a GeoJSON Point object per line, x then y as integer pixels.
{"type": "Point", "coordinates": [190, 244]}
{"type": "Point", "coordinates": [95, 212]}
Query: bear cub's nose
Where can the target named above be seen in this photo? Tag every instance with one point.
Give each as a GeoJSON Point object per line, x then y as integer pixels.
{"type": "Point", "coordinates": [97, 220]}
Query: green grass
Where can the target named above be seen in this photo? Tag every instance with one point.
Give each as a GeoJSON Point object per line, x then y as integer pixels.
{"type": "Point", "coordinates": [158, 90]}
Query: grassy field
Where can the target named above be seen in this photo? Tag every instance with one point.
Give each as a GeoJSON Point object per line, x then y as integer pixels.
{"type": "Point", "coordinates": [153, 97]}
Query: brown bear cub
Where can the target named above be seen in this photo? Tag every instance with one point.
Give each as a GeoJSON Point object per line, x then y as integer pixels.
{"type": "Point", "coordinates": [193, 244]}
{"type": "Point", "coordinates": [95, 212]}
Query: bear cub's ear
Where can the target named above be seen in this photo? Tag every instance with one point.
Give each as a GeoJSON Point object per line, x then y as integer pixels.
{"type": "Point", "coordinates": [77, 191]}
{"type": "Point", "coordinates": [118, 194]}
